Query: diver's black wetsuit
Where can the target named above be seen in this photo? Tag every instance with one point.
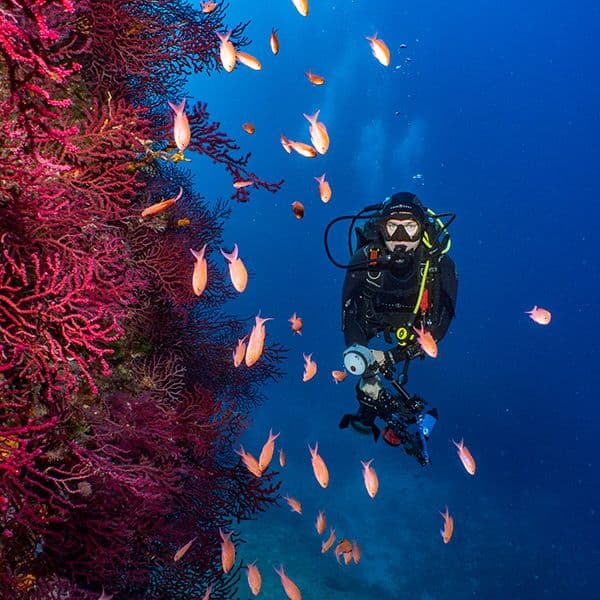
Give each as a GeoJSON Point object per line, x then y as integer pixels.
{"type": "Point", "coordinates": [382, 299]}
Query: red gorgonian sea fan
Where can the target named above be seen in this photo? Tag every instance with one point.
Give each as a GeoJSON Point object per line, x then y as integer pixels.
{"type": "Point", "coordinates": [115, 439]}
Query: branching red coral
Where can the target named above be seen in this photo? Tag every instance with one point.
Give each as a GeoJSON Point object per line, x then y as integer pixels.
{"type": "Point", "coordinates": [119, 406]}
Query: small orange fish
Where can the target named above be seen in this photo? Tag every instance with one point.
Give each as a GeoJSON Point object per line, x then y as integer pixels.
{"type": "Point", "coordinates": [294, 504]}
{"type": "Point", "coordinates": [370, 478]}
{"type": "Point", "coordinates": [256, 343]}
{"type": "Point", "coordinates": [249, 61]}
{"type": "Point", "coordinates": [310, 367]}
{"type": "Point", "coordinates": [239, 352]}
{"type": "Point", "coordinates": [315, 79]}
{"type": "Point", "coordinates": [200, 276]}
{"type": "Point", "coordinates": [301, 148]}
{"type": "Point", "coordinates": [540, 315]}
{"type": "Point", "coordinates": [296, 324]}
{"type": "Point", "coordinates": [465, 456]}
{"type": "Point", "coordinates": [227, 551]}
{"type": "Point", "coordinates": [161, 206]}
{"type": "Point", "coordinates": [344, 547]}
{"type": "Point", "coordinates": [339, 376]}
{"type": "Point", "coordinates": [321, 523]}
{"type": "Point", "coordinates": [426, 342]}
{"type": "Point", "coordinates": [446, 533]}
{"type": "Point", "coordinates": [248, 127]}
{"type": "Point", "coordinates": [282, 459]}
{"type": "Point", "coordinates": [318, 133]}
{"type": "Point", "coordinates": [250, 462]}
{"type": "Point", "coordinates": [226, 51]}
{"type": "Point", "coordinates": [183, 222]}
{"type": "Point", "coordinates": [254, 578]}
{"type": "Point", "coordinates": [356, 553]}
{"type": "Point", "coordinates": [319, 467]}
{"type": "Point", "coordinates": [274, 41]}
{"type": "Point", "coordinates": [324, 188]}
{"type": "Point", "coordinates": [237, 270]}
{"type": "Point", "coordinates": [266, 454]}
{"type": "Point", "coordinates": [181, 126]}
{"type": "Point", "coordinates": [208, 7]}
{"type": "Point", "coordinates": [329, 541]}
{"type": "Point", "coordinates": [179, 554]}
{"type": "Point", "coordinates": [298, 209]}
{"type": "Point", "coordinates": [301, 7]}
{"type": "Point", "coordinates": [380, 50]}
{"type": "Point", "coordinates": [242, 183]}
{"type": "Point", "coordinates": [292, 591]}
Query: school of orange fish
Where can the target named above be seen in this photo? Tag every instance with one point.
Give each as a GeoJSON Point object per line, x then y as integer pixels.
{"type": "Point", "coordinates": [250, 347]}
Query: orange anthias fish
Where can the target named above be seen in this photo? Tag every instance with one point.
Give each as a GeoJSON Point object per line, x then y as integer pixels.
{"type": "Point", "coordinates": [227, 552]}
{"type": "Point", "coordinates": [329, 541]}
{"type": "Point", "coordinates": [324, 188]}
{"type": "Point", "coordinates": [208, 7]}
{"type": "Point", "coordinates": [266, 454]}
{"type": "Point", "coordinates": [226, 51]}
{"type": "Point", "coordinates": [242, 183]}
{"type": "Point", "coordinates": [179, 554]}
{"type": "Point", "coordinates": [254, 578]}
{"type": "Point", "coordinates": [249, 61]}
{"type": "Point", "coordinates": [319, 467]}
{"type": "Point", "coordinates": [321, 523]}
{"type": "Point", "coordinates": [237, 270]}
{"type": "Point", "coordinates": [181, 126]}
{"type": "Point", "coordinates": [282, 460]}
{"type": "Point", "coordinates": [200, 276]}
{"type": "Point", "coordinates": [292, 591]}
{"type": "Point", "coordinates": [239, 352]}
{"type": "Point", "coordinates": [426, 342]}
{"type": "Point", "coordinates": [310, 367]}
{"type": "Point", "coordinates": [356, 554]}
{"type": "Point", "coordinates": [250, 462]}
{"type": "Point", "coordinates": [344, 547]}
{"type": "Point", "coordinates": [274, 41]}
{"type": "Point", "coordinates": [318, 133]}
{"type": "Point", "coordinates": [370, 478]}
{"type": "Point", "coordinates": [301, 148]}
{"type": "Point", "coordinates": [380, 50]}
{"type": "Point", "coordinates": [301, 7]}
{"type": "Point", "coordinates": [298, 209]}
{"type": "Point", "coordinates": [256, 343]}
{"type": "Point", "coordinates": [315, 79]}
{"type": "Point", "coordinates": [339, 376]}
{"type": "Point", "coordinates": [465, 457]}
{"type": "Point", "coordinates": [161, 206]}
{"type": "Point", "coordinates": [248, 127]}
{"type": "Point", "coordinates": [294, 504]}
{"type": "Point", "coordinates": [540, 315]}
{"type": "Point", "coordinates": [296, 322]}
{"type": "Point", "coordinates": [446, 533]}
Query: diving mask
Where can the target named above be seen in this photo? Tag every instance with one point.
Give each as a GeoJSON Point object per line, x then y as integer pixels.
{"type": "Point", "coordinates": [400, 228]}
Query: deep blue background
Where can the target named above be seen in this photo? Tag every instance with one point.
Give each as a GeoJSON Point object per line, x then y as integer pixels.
{"type": "Point", "coordinates": [499, 113]}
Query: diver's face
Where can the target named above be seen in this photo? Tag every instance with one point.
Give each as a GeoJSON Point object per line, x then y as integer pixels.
{"type": "Point", "coordinates": [406, 227]}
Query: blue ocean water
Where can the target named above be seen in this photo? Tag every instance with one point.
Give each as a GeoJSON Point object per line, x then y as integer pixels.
{"type": "Point", "coordinates": [495, 117]}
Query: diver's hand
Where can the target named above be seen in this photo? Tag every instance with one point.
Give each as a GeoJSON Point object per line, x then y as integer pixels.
{"type": "Point", "coordinates": [379, 356]}
{"type": "Point", "coordinates": [384, 361]}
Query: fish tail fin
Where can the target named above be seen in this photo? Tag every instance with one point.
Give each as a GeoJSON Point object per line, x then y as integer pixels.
{"type": "Point", "coordinates": [177, 108]}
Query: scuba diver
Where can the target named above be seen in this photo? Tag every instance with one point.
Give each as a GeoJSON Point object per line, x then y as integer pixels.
{"type": "Point", "coordinates": [399, 280]}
